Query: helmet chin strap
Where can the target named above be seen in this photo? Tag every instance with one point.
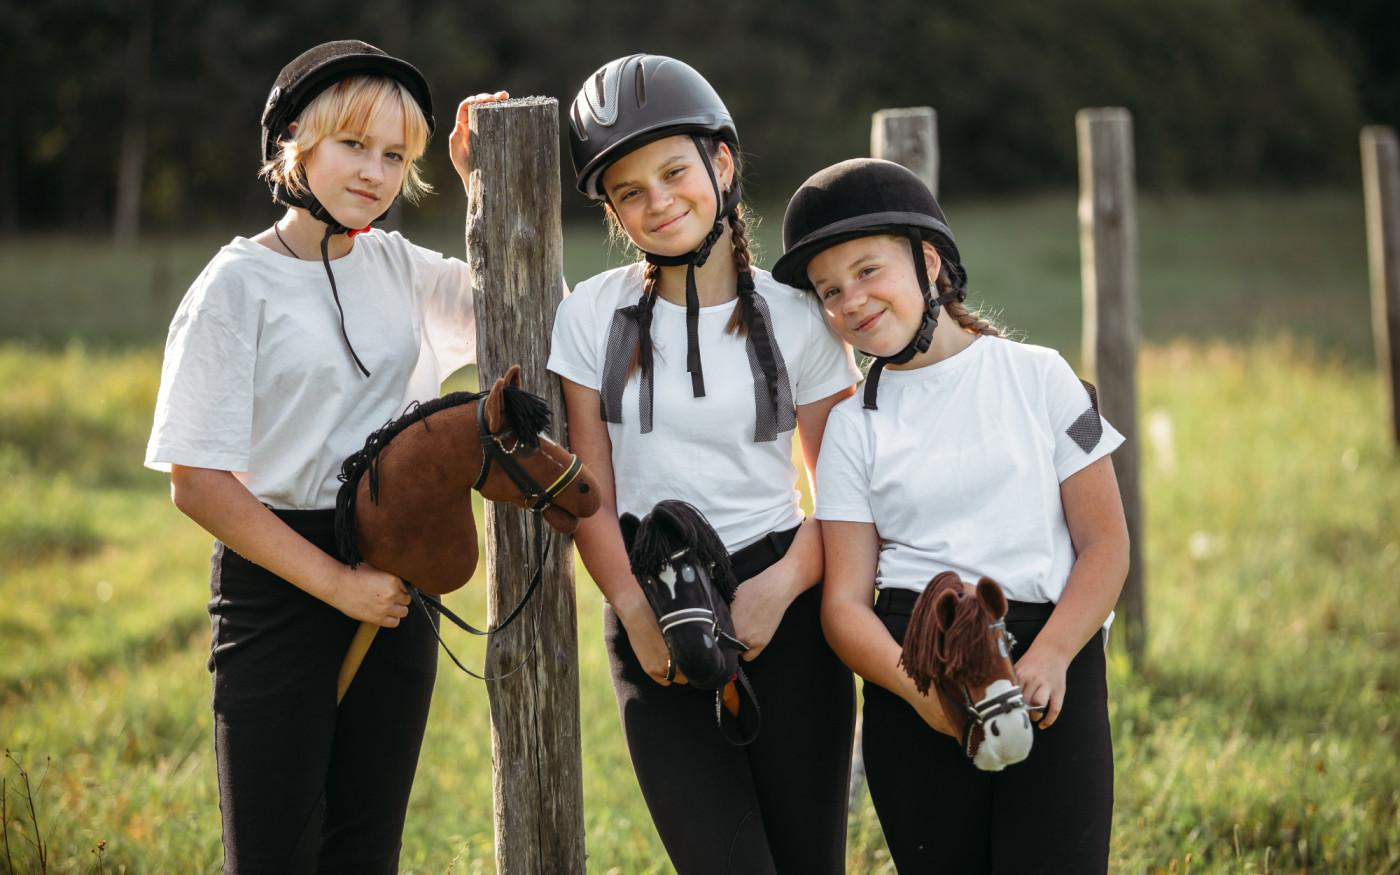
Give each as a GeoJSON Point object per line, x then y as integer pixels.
{"type": "Point", "coordinates": [923, 337]}
{"type": "Point", "coordinates": [318, 211]}
{"type": "Point", "coordinates": [692, 260]}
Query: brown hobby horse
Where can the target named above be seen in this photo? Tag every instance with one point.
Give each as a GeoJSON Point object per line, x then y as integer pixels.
{"type": "Point", "coordinates": [405, 502]}
{"type": "Point", "coordinates": [957, 641]}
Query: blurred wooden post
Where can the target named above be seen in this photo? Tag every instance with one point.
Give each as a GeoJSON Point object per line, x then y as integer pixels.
{"type": "Point", "coordinates": [1108, 254]}
{"type": "Point", "coordinates": [908, 137]}
{"type": "Point", "coordinates": [515, 247]}
{"type": "Point", "coordinates": [1380, 171]}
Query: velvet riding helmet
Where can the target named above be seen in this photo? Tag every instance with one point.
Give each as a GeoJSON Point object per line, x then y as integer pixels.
{"type": "Point", "coordinates": [866, 197]}
{"type": "Point", "coordinates": [301, 81]}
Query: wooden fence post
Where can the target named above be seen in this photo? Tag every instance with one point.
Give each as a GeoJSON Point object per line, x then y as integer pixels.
{"type": "Point", "coordinates": [515, 247]}
{"type": "Point", "coordinates": [1108, 253]}
{"type": "Point", "coordinates": [1380, 171]}
{"type": "Point", "coordinates": [909, 137]}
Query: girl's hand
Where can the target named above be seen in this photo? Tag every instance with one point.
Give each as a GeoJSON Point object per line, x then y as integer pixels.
{"type": "Point", "coordinates": [371, 595]}
{"type": "Point", "coordinates": [930, 707]}
{"type": "Point", "coordinates": [758, 607]}
{"type": "Point", "coordinates": [457, 144]}
{"type": "Point", "coordinates": [1041, 675]}
{"type": "Point", "coordinates": [645, 635]}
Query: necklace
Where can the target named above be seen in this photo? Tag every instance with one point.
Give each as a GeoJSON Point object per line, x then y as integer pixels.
{"type": "Point", "coordinates": [284, 242]}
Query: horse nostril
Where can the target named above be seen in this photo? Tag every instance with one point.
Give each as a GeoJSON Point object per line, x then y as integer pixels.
{"type": "Point", "coordinates": [996, 730]}
{"type": "Point", "coordinates": [1025, 718]}
{"type": "Point", "coordinates": [583, 487]}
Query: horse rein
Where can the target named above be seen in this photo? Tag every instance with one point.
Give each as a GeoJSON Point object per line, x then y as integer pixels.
{"type": "Point", "coordinates": [493, 448]}
{"type": "Point", "coordinates": [978, 713]}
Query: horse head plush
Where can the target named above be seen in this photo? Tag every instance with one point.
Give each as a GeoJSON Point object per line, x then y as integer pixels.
{"type": "Point", "coordinates": [957, 642]}
{"type": "Point", "coordinates": [405, 502]}
{"type": "Point", "coordinates": [684, 570]}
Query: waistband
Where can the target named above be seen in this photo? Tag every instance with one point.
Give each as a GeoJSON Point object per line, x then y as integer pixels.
{"type": "Point", "coordinates": [900, 602]}
{"type": "Point", "coordinates": [756, 557]}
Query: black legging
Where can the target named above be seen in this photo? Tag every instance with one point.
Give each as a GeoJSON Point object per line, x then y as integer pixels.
{"type": "Point", "coordinates": [304, 784]}
{"type": "Point", "coordinates": [775, 806]}
{"type": "Point", "coordinates": [941, 814]}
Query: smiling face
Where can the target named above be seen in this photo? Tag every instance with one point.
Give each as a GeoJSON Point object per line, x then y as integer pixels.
{"type": "Point", "coordinates": [357, 174]}
{"type": "Point", "coordinates": [662, 195]}
{"type": "Point", "coordinates": [870, 292]}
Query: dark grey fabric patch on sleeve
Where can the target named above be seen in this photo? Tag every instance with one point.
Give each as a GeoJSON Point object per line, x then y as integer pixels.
{"type": "Point", "coordinates": [1088, 428]}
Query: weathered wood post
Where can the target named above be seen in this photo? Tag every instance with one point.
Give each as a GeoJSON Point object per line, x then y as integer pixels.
{"type": "Point", "coordinates": [908, 136]}
{"type": "Point", "coordinates": [1108, 255]}
{"type": "Point", "coordinates": [1380, 171]}
{"type": "Point", "coordinates": [515, 247]}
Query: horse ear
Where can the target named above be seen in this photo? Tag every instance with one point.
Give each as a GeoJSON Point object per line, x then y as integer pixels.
{"type": "Point", "coordinates": [496, 403]}
{"type": "Point", "coordinates": [945, 608]}
{"type": "Point", "coordinates": [989, 591]}
{"type": "Point", "coordinates": [512, 376]}
{"type": "Point", "coordinates": [629, 525]}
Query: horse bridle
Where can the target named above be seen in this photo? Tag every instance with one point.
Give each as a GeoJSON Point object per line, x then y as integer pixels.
{"type": "Point", "coordinates": [493, 449]}
{"type": "Point", "coordinates": [695, 615]}
{"type": "Point", "coordinates": [978, 713]}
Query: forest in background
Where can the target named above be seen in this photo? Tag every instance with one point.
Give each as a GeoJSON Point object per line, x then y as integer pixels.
{"type": "Point", "coordinates": [128, 116]}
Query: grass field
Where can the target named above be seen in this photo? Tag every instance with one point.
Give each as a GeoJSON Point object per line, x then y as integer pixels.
{"type": "Point", "coordinates": [1262, 734]}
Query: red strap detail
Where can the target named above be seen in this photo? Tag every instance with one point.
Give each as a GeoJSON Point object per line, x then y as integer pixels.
{"type": "Point", "coordinates": [352, 234]}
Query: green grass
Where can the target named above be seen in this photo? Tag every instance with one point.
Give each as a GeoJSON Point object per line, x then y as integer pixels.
{"type": "Point", "coordinates": [1226, 266]}
{"type": "Point", "coordinates": [1261, 735]}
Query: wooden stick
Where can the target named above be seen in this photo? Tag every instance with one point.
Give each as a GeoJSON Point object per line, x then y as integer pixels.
{"type": "Point", "coordinates": [515, 248]}
{"type": "Point", "coordinates": [1108, 251]}
{"type": "Point", "coordinates": [354, 655]}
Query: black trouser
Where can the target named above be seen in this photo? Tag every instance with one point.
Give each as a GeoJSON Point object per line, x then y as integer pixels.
{"type": "Point", "coordinates": [777, 805]}
{"type": "Point", "coordinates": [303, 783]}
{"type": "Point", "coordinates": [941, 814]}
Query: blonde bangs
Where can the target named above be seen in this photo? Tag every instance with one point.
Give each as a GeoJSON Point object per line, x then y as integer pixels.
{"type": "Point", "coordinates": [352, 104]}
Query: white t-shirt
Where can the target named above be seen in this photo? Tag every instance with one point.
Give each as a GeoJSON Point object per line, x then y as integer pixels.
{"type": "Point", "coordinates": [258, 380]}
{"type": "Point", "coordinates": [960, 467]}
{"type": "Point", "coordinates": [702, 450]}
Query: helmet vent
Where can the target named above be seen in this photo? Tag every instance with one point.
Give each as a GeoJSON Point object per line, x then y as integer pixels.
{"type": "Point", "coordinates": [603, 101]}
{"type": "Point", "coordinates": [641, 88]}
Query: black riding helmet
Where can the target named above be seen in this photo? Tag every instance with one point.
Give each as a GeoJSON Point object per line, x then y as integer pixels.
{"type": "Point", "coordinates": [636, 100]}
{"type": "Point", "coordinates": [865, 197]}
{"type": "Point", "coordinates": [309, 74]}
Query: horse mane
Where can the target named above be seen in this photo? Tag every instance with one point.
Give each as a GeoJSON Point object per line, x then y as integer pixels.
{"type": "Point", "coordinates": [964, 650]}
{"type": "Point", "coordinates": [675, 525]}
{"type": "Point", "coordinates": [527, 415]}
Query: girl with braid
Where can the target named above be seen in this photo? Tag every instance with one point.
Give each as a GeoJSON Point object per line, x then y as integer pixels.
{"type": "Point", "coordinates": [684, 377]}
{"type": "Point", "coordinates": [971, 454]}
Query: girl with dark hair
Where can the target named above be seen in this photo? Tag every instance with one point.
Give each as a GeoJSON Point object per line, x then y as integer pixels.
{"type": "Point", "coordinates": [286, 352]}
{"type": "Point", "coordinates": [684, 378]}
{"type": "Point", "coordinates": [971, 454]}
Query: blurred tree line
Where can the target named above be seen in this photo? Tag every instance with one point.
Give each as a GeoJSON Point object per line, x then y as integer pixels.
{"type": "Point", "coordinates": [127, 115]}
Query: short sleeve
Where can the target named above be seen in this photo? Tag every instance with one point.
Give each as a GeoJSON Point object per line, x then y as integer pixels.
{"type": "Point", "coordinates": [1082, 436]}
{"type": "Point", "coordinates": [573, 344]}
{"type": "Point", "coordinates": [828, 365]}
{"type": "Point", "coordinates": [204, 410]}
{"type": "Point", "coordinates": [450, 318]}
{"type": "Point", "coordinates": [843, 469]}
